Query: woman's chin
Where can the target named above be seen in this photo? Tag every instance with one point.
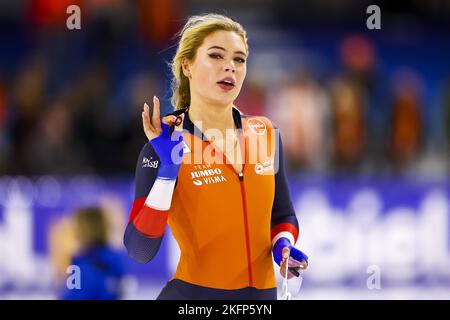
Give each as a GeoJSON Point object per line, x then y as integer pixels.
{"type": "Point", "coordinates": [225, 101]}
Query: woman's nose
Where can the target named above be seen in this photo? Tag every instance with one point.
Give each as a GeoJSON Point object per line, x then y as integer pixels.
{"type": "Point", "coordinates": [230, 67]}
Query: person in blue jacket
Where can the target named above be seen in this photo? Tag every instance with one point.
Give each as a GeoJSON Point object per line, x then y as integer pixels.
{"type": "Point", "coordinates": [101, 268]}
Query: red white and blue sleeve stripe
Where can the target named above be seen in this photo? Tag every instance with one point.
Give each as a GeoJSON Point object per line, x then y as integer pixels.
{"type": "Point", "coordinates": [148, 217]}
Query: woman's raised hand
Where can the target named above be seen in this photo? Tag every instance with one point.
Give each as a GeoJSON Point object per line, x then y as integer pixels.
{"type": "Point", "coordinates": [167, 145]}
{"type": "Point", "coordinates": [152, 125]}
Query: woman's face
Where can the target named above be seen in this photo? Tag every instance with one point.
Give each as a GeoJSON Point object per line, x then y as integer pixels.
{"type": "Point", "coordinates": [218, 69]}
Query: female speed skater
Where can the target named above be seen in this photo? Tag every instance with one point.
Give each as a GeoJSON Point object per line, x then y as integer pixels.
{"type": "Point", "coordinates": [204, 173]}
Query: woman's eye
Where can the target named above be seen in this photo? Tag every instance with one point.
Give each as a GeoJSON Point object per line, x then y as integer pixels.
{"type": "Point", "coordinates": [218, 56]}
{"type": "Point", "coordinates": [215, 56]}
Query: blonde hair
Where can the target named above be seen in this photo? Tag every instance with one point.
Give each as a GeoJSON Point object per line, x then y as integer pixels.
{"type": "Point", "coordinates": [196, 29]}
{"type": "Point", "coordinates": [92, 227]}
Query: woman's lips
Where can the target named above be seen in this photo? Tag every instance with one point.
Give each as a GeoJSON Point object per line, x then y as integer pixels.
{"type": "Point", "coordinates": [225, 86]}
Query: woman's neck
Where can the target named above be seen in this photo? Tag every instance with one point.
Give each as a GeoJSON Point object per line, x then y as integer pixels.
{"type": "Point", "coordinates": [212, 116]}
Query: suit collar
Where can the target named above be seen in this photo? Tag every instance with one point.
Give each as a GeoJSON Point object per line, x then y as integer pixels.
{"type": "Point", "coordinates": [191, 128]}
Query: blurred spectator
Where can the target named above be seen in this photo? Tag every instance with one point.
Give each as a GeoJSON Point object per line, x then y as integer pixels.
{"type": "Point", "coordinates": [358, 120]}
{"type": "Point", "coordinates": [406, 122]}
{"type": "Point", "coordinates": [358, 55]}
{"type": "Point", "coordinates": [2, 105]}
{"type": "Point", "coordinates": [29, 96]}
{"type": "Point", "coordinates": [73, 98]}
{"type": "Point", "coordinates": [52, 148]}
{"type": "Point", "coordinates": [252, 99]}
{"type": "Point", "coordinates": [348, 124]}
{"type": "Point", "coordinates": [159, 20]}
{"type": "Point", "coordinates": [446, 112]}
{"type": "Point", "coordinates": [93, 124]}
{"type": "Point", "coordinates": [300, 110]}
{"type": "Point", "coordinates": [102, 269]}
{"type": "Point", "coordinates": [4, 143]}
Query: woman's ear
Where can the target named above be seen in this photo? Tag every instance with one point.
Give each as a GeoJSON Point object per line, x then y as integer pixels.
{"type": "Point", "coordinates": [186, 67]}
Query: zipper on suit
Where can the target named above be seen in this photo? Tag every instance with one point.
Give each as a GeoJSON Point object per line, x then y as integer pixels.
{"type": "Point", "coordinates": [244, 207]}
{"type": "Point", "coordinates": [246, 229]}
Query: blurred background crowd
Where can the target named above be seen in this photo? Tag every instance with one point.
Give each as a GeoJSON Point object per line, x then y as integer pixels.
{"type": "Point", "coordinates": [346, 98]}
{"type": "Point", "coordinates": [351, 102]}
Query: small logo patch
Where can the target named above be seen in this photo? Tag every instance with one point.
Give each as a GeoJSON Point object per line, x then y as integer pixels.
{"type": "Point", "coordinates": [148, 163]}
{"type": "Point", "coordinates": [257, 126]}
{"type": "Point", "coordinates": [262, 168]}
{"type": "Point", "coordinates": [207, 175]}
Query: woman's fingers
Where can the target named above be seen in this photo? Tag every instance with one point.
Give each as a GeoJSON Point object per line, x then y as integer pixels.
{"type": "Point", "coordinates": [156, 120]}
{"type": "Point", "coordinates": [303, 265]}
{"type": "Point", "coordinates": [285, 256]}
{"type": "Point", "coordinates": [290, 263]}
{"type": "Point", "coordinates": [169, 120]}
{"type": "Point", "coordinates": [294, 263]}
{"type": "Point", "coordinates": [283, 270]}
{"type": "Point", "coordinates": [152, 124]}
{"type": "Point", "coordinates": [285, 253]}
{"type": "Point", "coordinates": [149, 130]}
{"type": "Point", "coordinates": [146, 118]}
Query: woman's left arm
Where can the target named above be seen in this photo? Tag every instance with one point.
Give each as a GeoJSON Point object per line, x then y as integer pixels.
{"type": "Point", "coordinates": [284, 223]}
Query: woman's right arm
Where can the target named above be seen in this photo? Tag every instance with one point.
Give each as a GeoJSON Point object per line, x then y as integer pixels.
{"type": "Point", "coordinates": [156, 173]}
{"type": "Point", "coordinates": [141, 242]}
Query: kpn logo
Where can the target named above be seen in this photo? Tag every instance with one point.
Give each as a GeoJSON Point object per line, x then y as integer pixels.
{"type": "Point", "coordinates": [207, 176]}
